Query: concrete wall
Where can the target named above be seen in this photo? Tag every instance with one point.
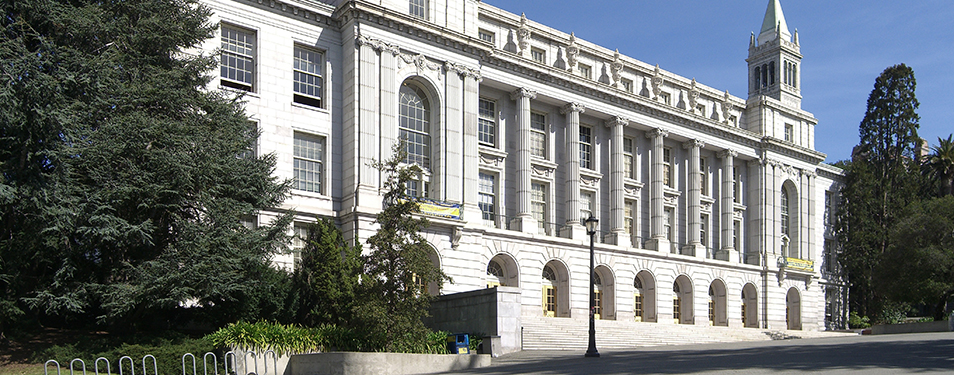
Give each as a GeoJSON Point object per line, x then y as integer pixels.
{"type": "Point", "coordinates": [491, 312]}
{"type": "Point", "coordinates": [886, 329]}
{"type": "Point", "coordinates": [341, 363]}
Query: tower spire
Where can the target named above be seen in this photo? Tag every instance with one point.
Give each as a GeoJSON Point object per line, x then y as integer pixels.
{"type": "Point", "coordinates": [773, 25]}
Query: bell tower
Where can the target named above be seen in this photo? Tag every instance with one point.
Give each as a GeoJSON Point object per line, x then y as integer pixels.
{"type": "Point", "coordinates": [774, 60]}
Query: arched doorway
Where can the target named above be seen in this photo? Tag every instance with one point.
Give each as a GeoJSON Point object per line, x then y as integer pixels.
{"type": "Point", "coordinates": [556, 291]}
{"type": "Point", "coordinates": [793, 310]}
{"type": "Point", "coordinates": [644, 297]}
{"type": "Point", "coordinates": [605, 292]}
{"type": "Point", "coordinates": [502, 271]}
{"type": "Point", "coordinates": [717, 304]}
{"type": "Point", "coordinates": [750, 306]}
{"type": "Point", "coordinates": [432, 287]}
{"type": "Point", "coordinates": [682, 301]}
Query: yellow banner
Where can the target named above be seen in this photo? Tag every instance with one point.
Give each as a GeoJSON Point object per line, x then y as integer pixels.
{"type": "Point", "coordinates": [800, 264]}
{"type": "Point", "coordinates": [434, 208]}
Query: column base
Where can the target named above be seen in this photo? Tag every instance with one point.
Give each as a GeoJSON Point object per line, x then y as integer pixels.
{"type": "Point", "coordinates": [575, 231]}
{"type": "Point", "coordinates": [659, 244]}
{"type": "Point", "coordinates": [729, 255]}
{"type": "Point", "coordinates": [698, 250]}
{"type": "Point", "coordinates": [621, 239]}
{"type": "Point", "coordinates": [525, 224]}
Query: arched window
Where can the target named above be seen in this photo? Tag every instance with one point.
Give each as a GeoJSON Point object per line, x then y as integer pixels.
{"type": "Point", "coordinates": [764, 75]}
{"type": "Point", "coordinates": [497, 274]}
{"type": "Point", "coordinates": [415, 125]}
{"type": "Point", "coordinates": [771, 80]}
{"type": "Point", "coordinates": [758, 77]}
{"type": "Point", "coordinates": [784, 209]}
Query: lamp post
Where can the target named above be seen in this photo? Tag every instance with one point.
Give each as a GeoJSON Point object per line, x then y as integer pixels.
{"type": "Point", "coordinates": [591, 351]}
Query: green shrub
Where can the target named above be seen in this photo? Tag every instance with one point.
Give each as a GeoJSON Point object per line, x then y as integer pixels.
{"type": "Point", "coordinates": [261, 336]}
{"type": "Point", "coordinates": [167, 348]}
{"type": "Point", "coordinates": [855, 321]}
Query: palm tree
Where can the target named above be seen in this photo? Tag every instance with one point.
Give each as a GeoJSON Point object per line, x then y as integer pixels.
{"type": "Point", "coordinates": [940, 165]}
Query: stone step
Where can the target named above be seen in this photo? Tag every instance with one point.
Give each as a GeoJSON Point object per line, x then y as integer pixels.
{"type": "Point", "coordinates": [563, 333]}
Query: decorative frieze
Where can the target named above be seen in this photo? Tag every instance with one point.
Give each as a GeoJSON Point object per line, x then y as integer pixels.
{"type": "Point", "coordinates": [463, 70]}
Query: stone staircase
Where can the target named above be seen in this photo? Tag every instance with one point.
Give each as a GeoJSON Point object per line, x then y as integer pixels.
{"type": "Point", "coordinates": [540, 333]}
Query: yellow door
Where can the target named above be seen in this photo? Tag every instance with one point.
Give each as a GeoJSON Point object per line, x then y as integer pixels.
{"type": "Point", "coordinates": [676, 309]}
{"type": "Point", "coordinates": [549, 301]}
{"type": "Point", "coordinates": [598, 308]}
{"type": "Point", "coordinates": [638, 306]}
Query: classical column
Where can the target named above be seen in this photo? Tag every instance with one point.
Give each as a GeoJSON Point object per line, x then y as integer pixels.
{"type": "Point", "coordinates": [727, 206]}
{"type": "Point", "coordinates": [446, 173]}
{"type": "Point", "coordinates": [617, 188]}
{"type": "Point", "coordinates": [471, 154]}
{"type": "Point", "coordinates": [695, 246]}
{"type": "Point", "coordinates": [573, 221]}
{"type": "Point", "coordinates": [658, 240]}
{"type": "Point", "coordinates": [755, 213]}
{"type": "Point", "coordinates": [525, 218]}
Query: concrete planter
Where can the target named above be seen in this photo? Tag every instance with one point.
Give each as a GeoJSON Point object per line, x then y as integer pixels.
{"type": "Point", "coordinates": [340, 363]}
{"type": "Point", "coordinates": [885, 329]}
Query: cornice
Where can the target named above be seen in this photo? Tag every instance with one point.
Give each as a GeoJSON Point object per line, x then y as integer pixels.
{"type": "Point", "coordinates": [309, 12]}
{"type": "Point", "coordinates": [790, 150]}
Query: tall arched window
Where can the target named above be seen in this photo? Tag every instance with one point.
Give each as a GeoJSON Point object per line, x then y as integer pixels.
{"type": "Point", "coordinates": [415, 125]}
{"type": "Point", "coordinates": [785, 213]}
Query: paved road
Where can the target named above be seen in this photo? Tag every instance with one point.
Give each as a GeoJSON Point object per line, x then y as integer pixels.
{"type": "Point", "coordinates": [929, 353]}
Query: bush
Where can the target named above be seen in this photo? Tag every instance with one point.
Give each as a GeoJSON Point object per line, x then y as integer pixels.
{"type": "Point", "coordinates": [168, 349]}
{"type": "Point", "coordinates": [855, 321]}
{"type": "Point", "coordinates": [261, 336]}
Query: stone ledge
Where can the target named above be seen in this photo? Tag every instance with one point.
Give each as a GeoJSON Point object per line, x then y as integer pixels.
{"type": "Point", "coordinates": [340, 363]}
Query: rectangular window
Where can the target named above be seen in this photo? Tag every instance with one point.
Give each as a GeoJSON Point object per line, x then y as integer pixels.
{"type": "Point", "coordinates": [586, 71]}
{"type": "Point", "coordinates": [737, 235]}
{"type": "Point", "coordinates": [627, 84]}
{"type": "Point", "coordinates": [629, 221]}
{"type": "Point", "coordinates": [237, 64]}
{"type": "Point", "coordinates": [665, 97]}
{"type": "Point", "coordinates": [736, 185]}
{"type": "Point", "coordinates": [538, 55]}
{"type": "Point", "coordinates": [487, 123]}
{"type": "Point", "coordinates": [703, 230]}
{"type": "Point", "coordinates": [307, 76]}
{"type": "Point", "coordinates": [829, 209]}
{"type": "Point", "coordinates": [418, 8]}
{"type": "Point", "coordinates": [586, 147]}
{"type": "Point", "coordinates": [667, 167]}
{"type": "Point", "coordinates": [251, 151]}
{"type": "Point", "coordinates": [538, 205]}
{"type": "Point", "coordinates": [488, 198]}
{"type": "Point", "coordinates": [629, 163]}
{"type": "Point", "coordinates": [417, 188]}
{"type": "Point", "coordinates": [789, 133]}
{"type": "Point", "coordinates": [249, 222]}
{"type": "Point", "coordinates": [704, 181]}
{"type": "Point", "coordinates": [667, 223]}
{"type": "Point", "coordinates": [299, 240]}
{"type": "Point", "coordinates": [309, 162]}
{"type": "Point", "coordinates": [487, 36]}
{"type": "Point", "coordinates": [586, 205]}
{"type": "Point", "coordinates": [701, 109]}
{"type": "Point", "coordinates": [538, 135]}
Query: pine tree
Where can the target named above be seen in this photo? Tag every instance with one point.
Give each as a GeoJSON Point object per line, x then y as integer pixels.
{"type": "Point", "coordinates": [398, 267]}
{"type": "Point", "coordinates": [122, 179]}
{"type": "Point", "coordinates": [881, 180]}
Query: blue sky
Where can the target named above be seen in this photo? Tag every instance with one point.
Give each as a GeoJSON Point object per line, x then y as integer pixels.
{"type": "Point", "coordinates": [845, 44]}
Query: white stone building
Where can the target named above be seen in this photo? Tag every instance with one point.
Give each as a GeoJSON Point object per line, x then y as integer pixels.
{"type": "Point", "coordinates": [713, 209]}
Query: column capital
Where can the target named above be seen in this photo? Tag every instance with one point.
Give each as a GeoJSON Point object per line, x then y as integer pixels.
{"type": "Point", "coordinates": [658, 132]}
{"type": "Point", "coordinates": [377, 44]}
{"type": "Point", "coordinates": [727, 153]}
{"type": "Point", "coordinates": [523, 93]}
{"type": "Point", "coordinates": [616, 121]}
{"type": "Point", "coordinates": [694, 143]}
{"type": "Point", "coordinates": [573, 107]}
{"type": "Point", "coordinates": [463, 71]}
{"type": "Point", "coordinates": [754, 163]}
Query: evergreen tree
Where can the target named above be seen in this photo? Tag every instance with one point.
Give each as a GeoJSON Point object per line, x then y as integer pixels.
{"type": "Point", "coordinates": [122, 179]}
{"type": "Point", "coordinates": [920, 260]}
{"type": "Point", "coordinates": [398, 268]}
{"type": "Point", "coordinates": [881, 180]}
{"type": "Point", "coordinates": [326, 278]}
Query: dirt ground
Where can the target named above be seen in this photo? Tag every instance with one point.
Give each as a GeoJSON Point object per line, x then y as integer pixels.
{"type": "Point", "coordinates": [16, 354]}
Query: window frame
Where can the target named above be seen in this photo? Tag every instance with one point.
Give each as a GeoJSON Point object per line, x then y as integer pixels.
{"type": "Point", "coordinates": [418, 5]}
{"type": "Point", "coordinates": [492, 194]}
{"type": "Point", "coordinates": [540, 190]}
{"type": "Point", "coordinates": [228, 47]}
{"type": "Point", "coordinates": [306, 158]}
{"type": "Point", "coordinates": [539, 55]}
{"type": "Point", "coordinates": [586, 71]}
{"type": "Point", "coordinates": [629, 158]}
{"type": "Point", "coordinates": [481, 33]}
{"type": "Point", "coordinates": [586, 147]}
{"type": "Point", "coordinates": [490, 122]}
{"type": "Point", "coordinates": [543, 133]}
{"type": "Point", "coordinates": [425, 156]}
{"type": "Point", "coordinates": [300, 97]}
{"type": "Point", "coordinates": [667, 176]}
{"type": "Point", "coordinates": [704, 178]}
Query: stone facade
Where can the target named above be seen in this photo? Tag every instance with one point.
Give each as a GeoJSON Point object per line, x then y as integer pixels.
{"type": "Point", "coordinates": [707, 202]}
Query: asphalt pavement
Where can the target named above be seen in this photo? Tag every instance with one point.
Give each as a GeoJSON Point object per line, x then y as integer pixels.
{"type": "Point", "coordinates": [925, 353]}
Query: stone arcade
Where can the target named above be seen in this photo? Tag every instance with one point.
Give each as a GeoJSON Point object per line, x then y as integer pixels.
{"type": "Point", "coordinates": [714, 209]}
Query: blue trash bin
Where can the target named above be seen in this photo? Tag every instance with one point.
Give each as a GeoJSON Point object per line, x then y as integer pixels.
{"type": "Point", "coordinates": [458, 343]}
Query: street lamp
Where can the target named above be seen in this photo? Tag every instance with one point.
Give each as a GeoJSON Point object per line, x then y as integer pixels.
{"type": "Point", "coordinates": [591, 351]}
